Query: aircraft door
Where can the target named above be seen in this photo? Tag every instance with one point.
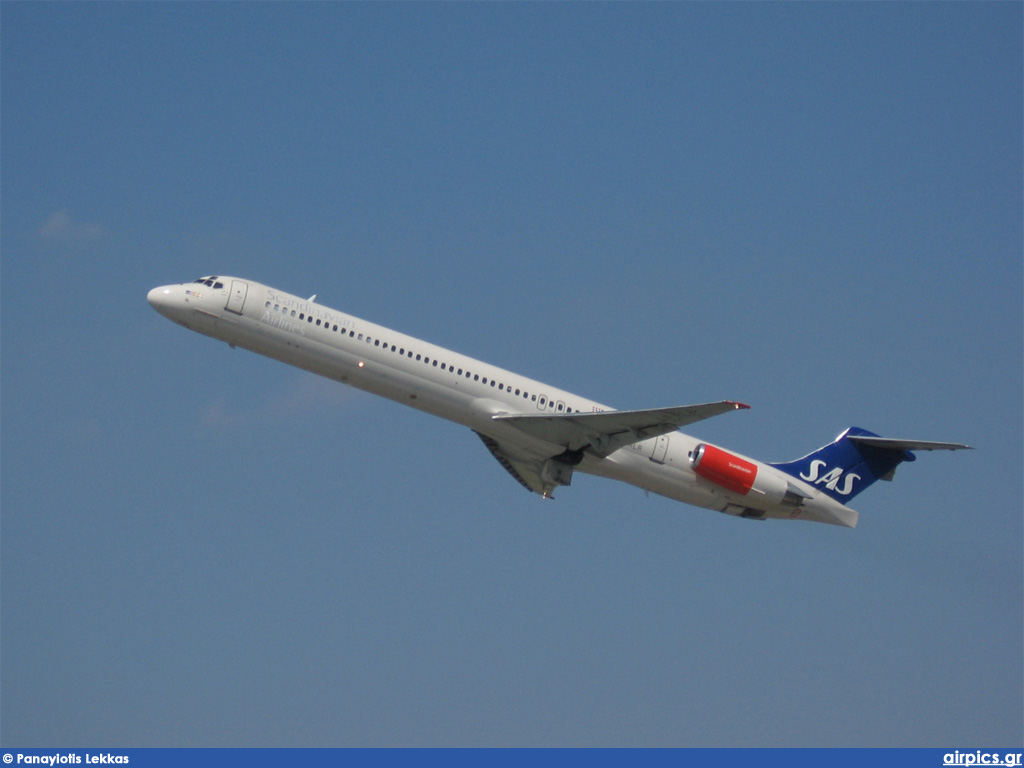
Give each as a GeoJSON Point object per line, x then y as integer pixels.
{"type": "Point", "coordinates": [660, 450]}
{"type": "Point", "coordinates": [236, 299]}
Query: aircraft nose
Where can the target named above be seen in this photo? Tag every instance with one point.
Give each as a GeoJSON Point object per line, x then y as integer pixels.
{"type": "Point", "coordinates": [161, 299]}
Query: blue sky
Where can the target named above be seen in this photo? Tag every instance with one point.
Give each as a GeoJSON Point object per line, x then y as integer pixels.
{"type": "Point", "coordinates": [812, 208]}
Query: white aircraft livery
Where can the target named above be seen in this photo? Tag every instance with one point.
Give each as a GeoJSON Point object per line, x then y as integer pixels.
{"type": "Point", "coordinates": [540, 434]}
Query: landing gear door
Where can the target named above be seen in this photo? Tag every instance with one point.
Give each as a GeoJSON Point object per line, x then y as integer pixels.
{"type": "Point", "coordinates": [236, 299]}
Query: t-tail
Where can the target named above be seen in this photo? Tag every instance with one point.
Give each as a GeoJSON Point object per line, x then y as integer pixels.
{"type": "Point", "coordinates": [855, 460]}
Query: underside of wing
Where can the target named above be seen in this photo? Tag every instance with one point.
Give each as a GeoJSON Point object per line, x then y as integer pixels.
{"type": "Point", "coordinates": [527, 472]}
{"type": "Point", "coordinates": [605, 432]}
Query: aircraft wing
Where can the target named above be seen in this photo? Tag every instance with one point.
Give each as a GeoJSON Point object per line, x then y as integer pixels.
{"type": "Point", "coordinates": [605, 432]}
{"type": "Point", "coordinates": [527, 472]}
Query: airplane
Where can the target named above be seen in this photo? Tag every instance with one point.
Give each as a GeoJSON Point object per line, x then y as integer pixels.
{"type": "Point", "coordinates": [540, 434]}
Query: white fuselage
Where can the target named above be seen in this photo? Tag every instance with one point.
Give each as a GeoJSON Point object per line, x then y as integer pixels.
{"type": "Point", "coordinates": [330, 343]}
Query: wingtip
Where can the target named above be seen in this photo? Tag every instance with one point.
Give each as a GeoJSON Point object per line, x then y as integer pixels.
{"type": "Point", "coordinates": [739, 406]}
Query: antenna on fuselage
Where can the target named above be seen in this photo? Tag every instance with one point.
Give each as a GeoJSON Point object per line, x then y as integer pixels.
{"type": "Point", "coordinates": [312, 298]}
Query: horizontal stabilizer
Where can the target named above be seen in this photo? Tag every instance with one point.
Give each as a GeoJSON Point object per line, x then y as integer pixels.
{"type": "Point", "coordinates": [605, 432]}
{"type": "Point", "coordinates": [892, 444]}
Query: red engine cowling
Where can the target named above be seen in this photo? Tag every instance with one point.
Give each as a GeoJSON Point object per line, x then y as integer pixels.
{"type": "Point", "coordinates": [723, 468]}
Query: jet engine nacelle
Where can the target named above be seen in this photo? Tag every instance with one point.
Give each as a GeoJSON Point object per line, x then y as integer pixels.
{"type": "Point", "coordinates": [761, 487]}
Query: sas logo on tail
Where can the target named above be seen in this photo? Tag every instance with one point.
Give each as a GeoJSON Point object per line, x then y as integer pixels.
{"type": "Point", "coordinates": [830, 479]}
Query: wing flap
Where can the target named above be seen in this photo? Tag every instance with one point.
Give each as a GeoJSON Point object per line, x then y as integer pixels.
{"type": "Point", "coordinates": [605, 432]}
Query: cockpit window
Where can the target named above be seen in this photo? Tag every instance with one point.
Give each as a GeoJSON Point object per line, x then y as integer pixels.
{"type": "Point", "coordinates": [211, 281]}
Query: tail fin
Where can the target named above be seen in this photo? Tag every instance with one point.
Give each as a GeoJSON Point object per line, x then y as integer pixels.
{"type": "Point", "coordinates": [855, 460]}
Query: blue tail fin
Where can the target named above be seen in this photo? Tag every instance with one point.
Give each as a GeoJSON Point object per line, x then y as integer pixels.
{"type": "Point", "coordinates": [844, 468]}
